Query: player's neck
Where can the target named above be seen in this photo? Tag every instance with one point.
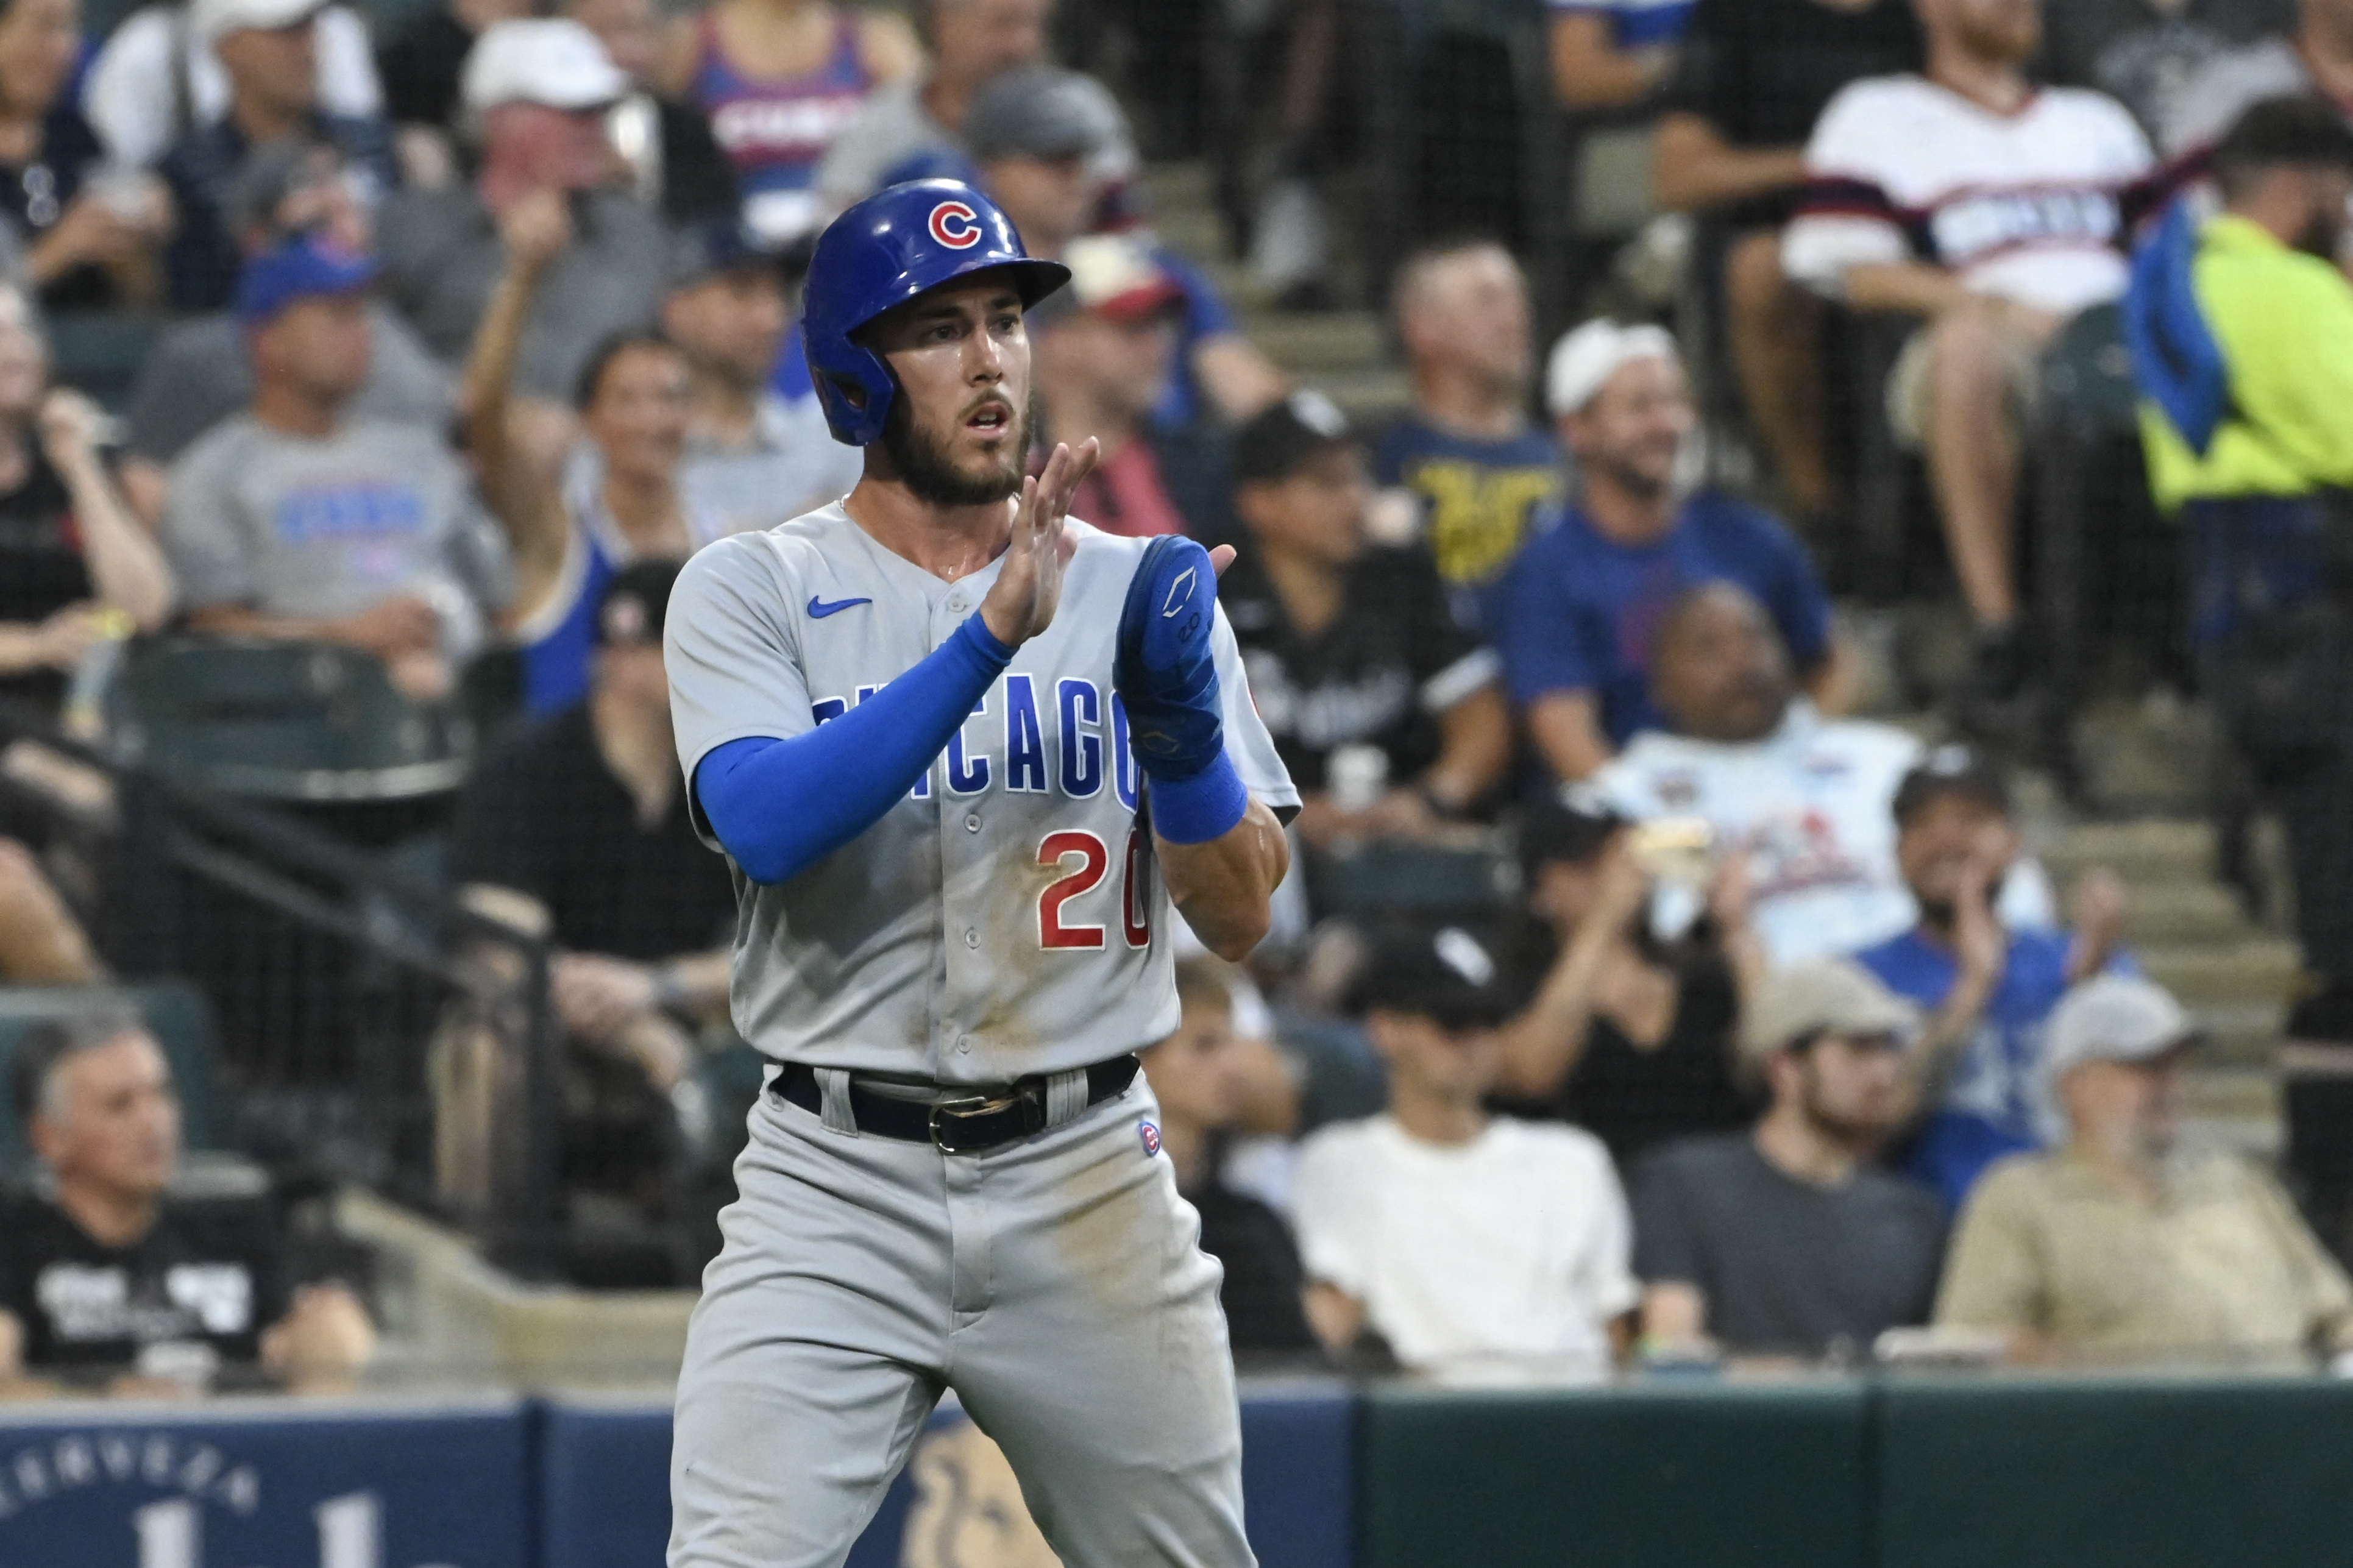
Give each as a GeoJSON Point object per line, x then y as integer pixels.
{"type": "Point", "coordinates": [109, 1217]}
{"type": "Point", "coordinates": [951, 543]}
{"type": "Point", "coordinates": [1462, 403]}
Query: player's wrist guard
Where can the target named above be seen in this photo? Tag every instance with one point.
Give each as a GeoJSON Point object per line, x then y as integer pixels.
{"type": "Point", "coordinates": [1197, 809]}
{"type": "Point", "coordinates": [1164, 669]}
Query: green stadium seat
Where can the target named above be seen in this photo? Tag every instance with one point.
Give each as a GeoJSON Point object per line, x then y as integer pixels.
{"type": "Point", "coordinates": [181, 1021]}
{"type": "Point", "coordinates": [285, 722]}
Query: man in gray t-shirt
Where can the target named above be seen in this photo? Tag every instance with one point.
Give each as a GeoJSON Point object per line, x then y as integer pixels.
{"type": "Point", "coordinates": [294, 521]}
{"type": "Point", "coordinates": [1786, 1240]}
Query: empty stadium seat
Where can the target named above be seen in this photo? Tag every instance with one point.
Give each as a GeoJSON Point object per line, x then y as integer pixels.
{"type": "Point", "coordinates": [287, 721]}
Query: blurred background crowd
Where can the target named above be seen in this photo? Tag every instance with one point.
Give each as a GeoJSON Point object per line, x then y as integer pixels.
{"type": "Point", "coordinates": [1796, 549]}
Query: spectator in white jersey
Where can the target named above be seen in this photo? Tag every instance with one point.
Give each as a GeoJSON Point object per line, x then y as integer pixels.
{"type": "Point", "coordinates": [2316, 58]}
{"type": "Point", "coordinates": [1460, 1239]}
{"type": "Point", "coordinates": [1770, 799]}
{"type": "Point", "coordinates": [297, 520]}
{"type": "Point", "coordinates": [752, 459]}
{"type": "Point", "coordinates": [1994, 211]}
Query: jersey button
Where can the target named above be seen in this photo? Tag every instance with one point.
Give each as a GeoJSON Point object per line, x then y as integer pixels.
{"type": "Point", "coordinates": [972, 823]}
{"type": "Point", "coordinates": [971, 937]}
{"type": "Point", "coordinates": [964, 1043]}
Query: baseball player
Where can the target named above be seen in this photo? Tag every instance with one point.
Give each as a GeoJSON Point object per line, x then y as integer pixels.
{"type": "Point", "coordinates": [968, 759]}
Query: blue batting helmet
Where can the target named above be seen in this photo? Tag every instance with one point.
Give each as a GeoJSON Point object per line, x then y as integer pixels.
{"type": "Point", "coordinates": [896, 244]}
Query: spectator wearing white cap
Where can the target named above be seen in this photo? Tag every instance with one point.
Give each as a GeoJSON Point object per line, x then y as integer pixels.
{"type": "Point", "coordinates": [534, 99]}
{"type": "Point", "coordinates": [1106, 347]}
{"type": "Point", "coordinates": [1786, 1240]}
{"type": "Point", "coordinates": [1589, 593]}
{"type": "Point", "coordinates": [158, 74]}
{"type": "Point", "coordinates": [2125, 1241]}
{"type": "Point", "coordinates": [270, 48]}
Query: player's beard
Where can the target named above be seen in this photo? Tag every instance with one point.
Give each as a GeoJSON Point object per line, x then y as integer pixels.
{"type": "Point", "coordinates": [922, 461]}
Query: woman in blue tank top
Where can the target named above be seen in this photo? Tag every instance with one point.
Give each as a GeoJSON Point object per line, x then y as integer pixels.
{"type": "Point", "coordinates": [779, 78]}
{"type": "Point", "coordinates": [573, 519]}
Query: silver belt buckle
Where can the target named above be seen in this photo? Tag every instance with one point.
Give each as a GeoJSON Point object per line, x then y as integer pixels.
{"type": "Point", "coordinates": [964, 1109]}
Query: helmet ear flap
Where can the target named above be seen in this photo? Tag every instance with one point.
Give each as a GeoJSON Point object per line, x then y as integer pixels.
{"type": "Point", "coordinates": [856, 393]}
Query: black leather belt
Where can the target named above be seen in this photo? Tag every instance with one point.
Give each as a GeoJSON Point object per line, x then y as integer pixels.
{"type": "Point", "coordinates": [970, 1124]}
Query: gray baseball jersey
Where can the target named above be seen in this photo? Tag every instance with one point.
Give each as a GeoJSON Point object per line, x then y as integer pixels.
{"type": "Point", "coordinates": [1003, 919]}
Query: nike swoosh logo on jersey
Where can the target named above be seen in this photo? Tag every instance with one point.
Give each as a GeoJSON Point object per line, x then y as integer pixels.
{"type": "Point", "coordinates": [819, 609]}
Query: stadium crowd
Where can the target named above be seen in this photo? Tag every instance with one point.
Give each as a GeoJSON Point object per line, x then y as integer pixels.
{"type": "Point", "coordinates": [1785, 1045]}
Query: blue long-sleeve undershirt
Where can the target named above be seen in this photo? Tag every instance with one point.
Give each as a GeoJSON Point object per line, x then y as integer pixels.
{"type": "Point", "coordinates": [781, 806]}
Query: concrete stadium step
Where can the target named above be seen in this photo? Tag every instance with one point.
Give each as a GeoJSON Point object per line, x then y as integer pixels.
{"type": "Point", "coordinates": [2258, 970]}
{"type": "Point", "coordinates": [2150, 851]}
{"type": "Point", "coordinates": [2180, 911]}
{"type": "Point", "coordinates": [1311, 344]}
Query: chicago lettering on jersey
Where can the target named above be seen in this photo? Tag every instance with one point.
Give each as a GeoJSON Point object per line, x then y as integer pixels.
{"type": "Point", "coordinates": [1071, 741]}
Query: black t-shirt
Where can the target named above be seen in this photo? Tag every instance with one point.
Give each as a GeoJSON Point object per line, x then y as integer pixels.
{"type": "Point", "coordinates": [36, 193]}
{"type": "Point", "coordinates": [1380, 674]}
{"type": "Point", "coordinates": [1634, 1099]}
{"type": "Point", "coordinates": [41, 569]}
{"type": "Point", "coordinates": [1787, 1267]}
{"type": "Point", "coordinates": [1760, 72]}
{"type": "Point", "coordinates": [1263, 1280]}
{"type": "Point", "coordinates": [205, 1272]}
{"type": "Point", "coordinates": [2144, 54]}
{"type": "Point", "coordinates": [548, 817]}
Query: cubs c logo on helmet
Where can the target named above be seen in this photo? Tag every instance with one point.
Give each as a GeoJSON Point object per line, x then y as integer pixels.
{"type": "Point", "coordinates": [955, 225]}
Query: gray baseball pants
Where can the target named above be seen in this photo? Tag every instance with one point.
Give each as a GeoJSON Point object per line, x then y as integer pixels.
{"type": "Point", "coordinates": [1056, 1284]}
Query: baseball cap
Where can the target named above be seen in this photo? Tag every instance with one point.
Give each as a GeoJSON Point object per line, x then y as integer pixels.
{"type": "Point", "coordinates": [1114, 276]}
{"type": "Point", "coordinates": [1040, 111]}
{"type": "Point", "coordinates": [215, 19]}
{"type": "Point", "coordinates": [634, 603]}
{"type": "Point", "coordinates": [301, 268]}
{"type": "Point", "coordinates": [1584, 359]}
{"type": "Point", "coordinates": [1442, 972]}
{"type": "Point", "coordinates": [549, 60]}
{"type": "Point", "coordinates": [1279, 438]}
{"type": "Point", "coordinates": [715, 247]}
{"type": "Point", "coordinates": [1826, 996]}
{"type": "Point", "coordinates": [1951, 770]}
{"type": "Point", "coordinates": [2115, 1018]}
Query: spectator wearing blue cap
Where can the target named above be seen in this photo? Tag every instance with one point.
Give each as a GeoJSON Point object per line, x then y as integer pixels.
{"type": "Point", "coordinates": [753, 458]}
{"type": "Point", "coordinates": [297, 520]}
